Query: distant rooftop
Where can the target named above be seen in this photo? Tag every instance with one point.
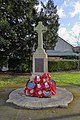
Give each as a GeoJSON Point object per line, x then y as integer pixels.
{"type": "Point", "coordinates": [59, 53]}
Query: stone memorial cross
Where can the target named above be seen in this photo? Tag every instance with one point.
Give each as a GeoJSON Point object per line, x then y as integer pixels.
{"type": "Point", "coordinates": [40, 57]}
{"type": "Point", "coordinates": [40, 28]}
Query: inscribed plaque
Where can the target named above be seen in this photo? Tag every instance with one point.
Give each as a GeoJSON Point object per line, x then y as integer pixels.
{"type": "Point", "coordinates": [39, 65]}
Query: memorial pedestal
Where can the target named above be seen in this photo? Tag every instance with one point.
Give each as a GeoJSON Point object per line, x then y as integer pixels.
{"type": "Point", "coordinates": [40, 62]}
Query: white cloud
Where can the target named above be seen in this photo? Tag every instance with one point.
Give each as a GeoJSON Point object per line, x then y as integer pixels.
{"type": "Point", "coordinates": [76, 9]}
{"type": "Point", "coordinates": [79, 17]}
{"type": "Point", "coordinates": [76, 33]}
{"type": "Point", "coordinates": [70, 36]}
{"type": "Point", "coordinates": [38, 7]}
{"type": "Point", "coordinates": [69, 24]}
{"type": "Point", "coordinates": [63, 33]}
{"type": "Point", "coordinates": [60, 12]}
{"type": "Point", "coordinates": [65, 3]}
{"type": "Point", "coordinates": [76, 28]}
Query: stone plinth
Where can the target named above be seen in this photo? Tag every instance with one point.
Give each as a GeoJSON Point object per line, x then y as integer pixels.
{"type": "Point", "coordinates": [62, 98]}
{"type": "Point", "coordinates": [40, 62]}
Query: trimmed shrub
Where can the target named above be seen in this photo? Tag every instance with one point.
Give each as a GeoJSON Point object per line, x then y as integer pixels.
{"type": "Point", "coordinates": [63, 65]}
{"type": "Point", "coordinates": [19, 65]}
{"type": "Point", "coordinates": [24, 67]}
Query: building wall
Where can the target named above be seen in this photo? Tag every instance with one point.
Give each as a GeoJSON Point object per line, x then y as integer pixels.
{"type": "Point", "coordinates": [62, 45]}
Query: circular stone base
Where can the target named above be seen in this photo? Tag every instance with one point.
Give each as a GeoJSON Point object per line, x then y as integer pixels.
{"type": "Point", "coordinates": [61, 99]}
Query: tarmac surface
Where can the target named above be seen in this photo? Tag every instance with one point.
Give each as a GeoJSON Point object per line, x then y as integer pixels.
{"type": "Point", "coordinates": [9, 111]}
{"type": "Point", "coordinates": [62, 98]}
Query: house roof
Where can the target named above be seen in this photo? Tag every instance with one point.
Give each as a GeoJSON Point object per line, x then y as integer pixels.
{"type": "Point", "coordinates": [66, 41]}
{"type": "Point", "coordinates": [58, 53]}
{"type": "Point", "coordinates": [62, 53]}
{"type": "Point", "coordinates": [77, 46]}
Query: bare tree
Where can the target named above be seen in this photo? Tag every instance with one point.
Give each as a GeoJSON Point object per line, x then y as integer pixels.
{"type": "Point", "coordinates": [76, 38]}
{"type": "Point", "coordinates": [77, 47]}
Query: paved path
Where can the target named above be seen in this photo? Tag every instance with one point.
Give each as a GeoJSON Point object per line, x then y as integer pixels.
{"type": "Point", "coordinates": [12, 112]}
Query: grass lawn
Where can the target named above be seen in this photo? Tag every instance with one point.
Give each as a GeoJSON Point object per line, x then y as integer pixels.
{"type": "Point", "coordinates": [67, 77]}
{"type": "Point", "coordinates": [7, 80]}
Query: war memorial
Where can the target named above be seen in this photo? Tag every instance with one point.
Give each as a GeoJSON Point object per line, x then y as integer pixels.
{"type": "Point", "coordinates": [41, 91]}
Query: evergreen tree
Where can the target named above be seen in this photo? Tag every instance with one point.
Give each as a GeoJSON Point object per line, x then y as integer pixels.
{"type": "Point", "coordinates": [17, 20]}
{"type": "Point", "coordinates": [16, 28]}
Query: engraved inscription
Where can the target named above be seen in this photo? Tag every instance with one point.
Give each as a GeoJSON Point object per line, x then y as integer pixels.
{"type": "Point", "coordinates": [39, 65]}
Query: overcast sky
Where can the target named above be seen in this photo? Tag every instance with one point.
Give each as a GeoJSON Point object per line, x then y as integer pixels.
{"type": "Point", "coordinates": [69, 14]}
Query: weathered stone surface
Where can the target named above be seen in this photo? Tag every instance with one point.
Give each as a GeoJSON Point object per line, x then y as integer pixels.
{"type": "Point", "coordinates": [62, 98]}
{"type": "Point", "coordinates": [40, 58]}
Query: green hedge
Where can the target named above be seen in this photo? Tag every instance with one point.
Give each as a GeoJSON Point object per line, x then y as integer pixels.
{"type": "Point", "coordinates": [63, 65]}
{"type": "Point", "coordinates": [52, 65]}
{"type": "Point", "coordinates": [18, 65]}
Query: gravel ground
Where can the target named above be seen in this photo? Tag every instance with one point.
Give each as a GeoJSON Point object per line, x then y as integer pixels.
{"type": "Point", "coordinates": [12, 112]}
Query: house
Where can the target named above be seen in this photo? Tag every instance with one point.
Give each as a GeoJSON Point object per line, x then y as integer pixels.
{"type": "Point", "coordinates": [62, 50]}
{"type": "Point", "coordinates": [77, 49]}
